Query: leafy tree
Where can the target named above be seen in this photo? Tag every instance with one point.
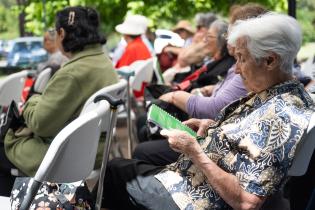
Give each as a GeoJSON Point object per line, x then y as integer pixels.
{"type": "Point", "coordinates": [8, 16]}
{"type": "Point", "coordinates": [112, 12]}
{"type": "Point", "coordinates": [162, 13]}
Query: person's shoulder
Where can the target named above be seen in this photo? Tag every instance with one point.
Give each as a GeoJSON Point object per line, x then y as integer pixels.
{"type": "Point", "coordinates": [293, 105]}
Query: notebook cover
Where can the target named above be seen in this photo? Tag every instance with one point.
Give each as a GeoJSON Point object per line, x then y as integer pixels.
{"type": "Point", "coordinates": [166, 121]}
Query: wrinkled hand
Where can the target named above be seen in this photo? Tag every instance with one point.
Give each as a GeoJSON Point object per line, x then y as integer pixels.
{"type": "Point", "coordinates": [199, 125]}
{"type": "Point", "coordinates": [167, 97]}
{"type": "Point", "coordinates": [181, 141]}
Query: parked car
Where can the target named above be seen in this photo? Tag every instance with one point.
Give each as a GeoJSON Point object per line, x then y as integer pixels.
{"type": "Point", "coordinates": [3, 46]}
{"type": "Point", "coordinates": [25, 52]}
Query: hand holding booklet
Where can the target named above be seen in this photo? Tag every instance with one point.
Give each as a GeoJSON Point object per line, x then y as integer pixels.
{"type": "Point", "coordinates": [165, 120]}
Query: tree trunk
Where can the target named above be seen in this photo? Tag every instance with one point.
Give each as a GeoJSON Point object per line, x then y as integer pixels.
{"type": "Point", "coordinates": [21, 4]}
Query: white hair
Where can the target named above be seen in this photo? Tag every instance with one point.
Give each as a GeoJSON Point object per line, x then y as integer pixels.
{"type": "Point", "coordinates": [221, 28]}
{"type": "Point", "coordinates": [269, 33]}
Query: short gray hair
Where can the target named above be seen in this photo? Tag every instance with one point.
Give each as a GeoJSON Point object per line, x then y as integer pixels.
{"type": "Point", "coordinates": [271, 32]}
{"type": "Point", "coordinates": [221, 28]}
{"type": "Point", "coordinates": [205, 19]}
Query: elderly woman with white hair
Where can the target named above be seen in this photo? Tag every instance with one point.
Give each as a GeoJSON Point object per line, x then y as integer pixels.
{"type": "Point", "coordinates": [246, 153]}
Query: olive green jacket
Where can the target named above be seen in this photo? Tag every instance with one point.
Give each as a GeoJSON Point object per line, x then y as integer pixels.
{"type": "Point", "coordinates": [61, 102]}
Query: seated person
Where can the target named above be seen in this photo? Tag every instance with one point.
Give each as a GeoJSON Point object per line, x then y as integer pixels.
{"type": "Point", "coordinates": [141, 23]}
{"type": "Point", "coordinates": [132, 29]}
{"type": "Point", "coordinates": [247, 151]}
{"type": "Point", "coordinates": [55, 57]}
{"type": "Point", "coordinates": [231, 88]}
{"type": "Point", "coordinates": [217, 68]}
{"type": "Point", "coordinates": [87, 71]}
{"type": "Point", "coordinates": [164, 39]}
{"type": "Point", "coordinates": [185, 31]}
{"type": "Point", "coordinates": [197, 51]}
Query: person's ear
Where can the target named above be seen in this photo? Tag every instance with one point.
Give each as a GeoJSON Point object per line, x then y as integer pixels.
{"type": "Point", "coordinates": [272, 61]}
{"type": "Point", "coordinates": [62, 33]}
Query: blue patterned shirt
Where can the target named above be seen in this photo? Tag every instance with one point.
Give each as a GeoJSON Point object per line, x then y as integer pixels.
{"type": "Point", "coordinates": [253, 138]}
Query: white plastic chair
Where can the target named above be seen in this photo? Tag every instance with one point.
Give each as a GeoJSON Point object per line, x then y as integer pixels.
{"type": "Point", "coordinates": [72, 153]}
{"type": "Point", "coordinates": [117, 90]}
{"type": "Point", "coordinates": [304, 151]}
{"type": "Point", "coordinates": [136, 74]}
{"type": "Point", "coordinates": [143, 73]}
{"type": "Point", "coordinates": [11, 88]}
{"type": "Point", "coordinates": [42, 80]}
{"type": "Point", "coordinates": [5, 203]}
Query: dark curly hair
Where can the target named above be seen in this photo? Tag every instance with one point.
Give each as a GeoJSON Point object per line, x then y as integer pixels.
{"type": "Point", "coordinates": [81, 26]}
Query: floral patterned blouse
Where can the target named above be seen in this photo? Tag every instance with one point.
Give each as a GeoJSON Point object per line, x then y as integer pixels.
{"type": "Point", "coordinates": [253, 138]}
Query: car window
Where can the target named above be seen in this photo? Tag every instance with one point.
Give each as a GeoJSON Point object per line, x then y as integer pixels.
{"type": "Point", "coordinates": [36, 45]}
{"type": "Point", "coordinates": [20, 47]}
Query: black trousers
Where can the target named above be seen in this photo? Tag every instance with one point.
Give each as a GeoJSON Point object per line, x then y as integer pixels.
{"type": "Point", "coordinates": [157, 152]}
{"type": "Point", "coordinates": [129, 184]}
{"type": "Point", "coordinates": [6, 179]}
{"type": "Point", "coordinates": [301, 188]}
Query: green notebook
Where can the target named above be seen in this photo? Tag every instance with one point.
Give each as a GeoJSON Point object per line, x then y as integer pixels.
{"type": "Point", "coordinates": [166, 121]}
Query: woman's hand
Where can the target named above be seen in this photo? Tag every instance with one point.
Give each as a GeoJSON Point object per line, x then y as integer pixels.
{"type": "Point", "coordinates": [181, 141]}
{"type": "Point", "coordinates": [167, 97]}
{"type": "Point", "coordinates": [199, 125]}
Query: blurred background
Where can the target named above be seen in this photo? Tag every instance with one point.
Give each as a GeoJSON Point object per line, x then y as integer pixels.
{"type": "Point", "coordinates": [20, 18]}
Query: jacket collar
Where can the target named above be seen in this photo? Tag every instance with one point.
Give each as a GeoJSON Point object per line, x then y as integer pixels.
{"type": "Point", "coordinates": [89, 50]}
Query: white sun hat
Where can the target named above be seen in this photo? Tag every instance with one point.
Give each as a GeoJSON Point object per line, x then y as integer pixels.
{"type": "Point", "coordinates": [166, 37]}
{"type": "Point", "coordinates": [133, 25]}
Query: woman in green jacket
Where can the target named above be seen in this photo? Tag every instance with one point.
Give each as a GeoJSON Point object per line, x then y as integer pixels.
{"type": "Point", "coordinates": [87, 71]}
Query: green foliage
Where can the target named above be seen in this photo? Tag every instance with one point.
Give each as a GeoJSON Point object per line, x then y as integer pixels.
{"type": "Point", "coordinates": [8, 23]}
{"type": "Point", "coordinates": [162, 13]}
{"type": "Point", "coordinates": [306, 18]}
{"type": "Point", "coordinates": [3, 18]}
{"type": "Point", "coordinates": [37, 21]}
{"type": "Point", "coordinates": [112, 12]}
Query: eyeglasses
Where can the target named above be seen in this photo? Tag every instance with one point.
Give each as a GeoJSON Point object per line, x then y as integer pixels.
{"type": "Point", "coordinates": [52, 32]}
{"type": "Point", "coordinates": [209, 36]}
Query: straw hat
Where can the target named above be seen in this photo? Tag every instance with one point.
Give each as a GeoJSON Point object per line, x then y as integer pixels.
{"type": "Point", "coordinates": [184, 24]}
{"type": "Point", "coordinates": [133, 25]}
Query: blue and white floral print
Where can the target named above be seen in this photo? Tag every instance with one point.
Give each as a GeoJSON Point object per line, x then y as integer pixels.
{"type": "Point", "coordinates": [253, 138]}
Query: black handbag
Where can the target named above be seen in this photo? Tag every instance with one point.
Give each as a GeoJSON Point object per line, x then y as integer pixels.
{"type": "Point", "coordinates": [151, 96]}
{"type": "Point", "coordinates": [11, 119]}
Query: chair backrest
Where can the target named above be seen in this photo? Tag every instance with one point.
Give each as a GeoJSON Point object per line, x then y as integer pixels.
{"type": "Point", "coordinates": [42, 80]}
{"type": "Point", "coordinates": [72, 153]}
{"type": "Point", "coordinates": [143, 73]}
{"type": "Point", "coordinates": [117, 90]}
{"type": "Point", "coordinates": [304, 151]}
{"type": "Point", "coordinates": [11, 87]}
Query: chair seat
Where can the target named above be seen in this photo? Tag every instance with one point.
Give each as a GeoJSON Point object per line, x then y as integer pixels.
{"type": "Point", "coordinates": [5, 203]}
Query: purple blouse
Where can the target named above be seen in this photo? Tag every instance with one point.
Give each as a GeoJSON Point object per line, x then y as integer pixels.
{"type": "Point", "coordinates": [230, 89]}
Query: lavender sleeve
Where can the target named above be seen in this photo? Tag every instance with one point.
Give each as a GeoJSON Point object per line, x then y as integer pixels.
{"type": "Point", "coordinates": [209, 107]}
